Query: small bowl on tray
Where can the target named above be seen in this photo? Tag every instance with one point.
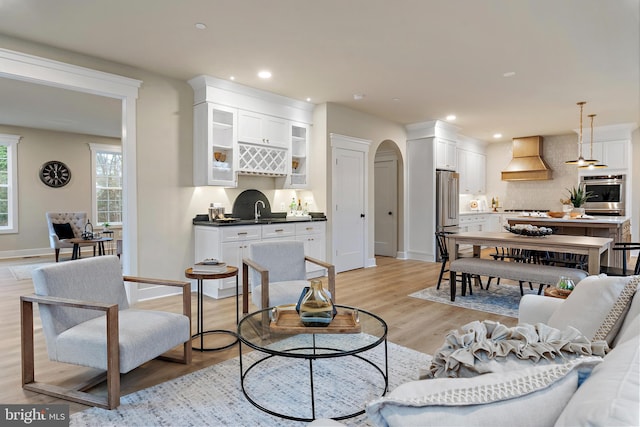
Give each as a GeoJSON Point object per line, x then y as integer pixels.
{"type": "Point", "coordinates": [529, 230]}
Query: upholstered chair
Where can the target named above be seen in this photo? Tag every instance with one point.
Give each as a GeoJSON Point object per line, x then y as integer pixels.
{"type": "Point", "coordinates": [276, 271]}
{"type": "Point", "coordinates": [87, 321]}
{"type": "Point", "coordinates": [64, 226]}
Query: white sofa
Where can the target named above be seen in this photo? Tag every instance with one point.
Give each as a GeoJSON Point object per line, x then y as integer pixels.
{"type": "Point", "coordinates": [600, 307]}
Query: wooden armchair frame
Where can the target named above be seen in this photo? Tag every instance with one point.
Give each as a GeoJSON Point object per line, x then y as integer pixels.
{"type": "Point", "coordinates": [112, 375]}
{"type": "Point", "coordinates": [264, 280]}
{"type": "Point", "coordinates": [264, 283]}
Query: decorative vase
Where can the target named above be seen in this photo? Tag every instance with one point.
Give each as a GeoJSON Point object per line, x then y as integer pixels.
{"type": "Point", "coordinates": [579, 211]}
{"type": "Point", "coordinates": [565, 285]}
{"type": "Point", "coordinates": [316, 308]}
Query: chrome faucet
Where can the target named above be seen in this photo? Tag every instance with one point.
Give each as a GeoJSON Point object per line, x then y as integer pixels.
{"type": "Point", "coordinates": [255, 210]}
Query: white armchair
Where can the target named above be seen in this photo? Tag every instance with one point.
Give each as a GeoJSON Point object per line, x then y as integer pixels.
{"type": "Point", "coordinates": [87, 321]}
{"type": "Point", "coordinates": [59, 239]}
{"type": "Point", "coordinates": [277, 270]}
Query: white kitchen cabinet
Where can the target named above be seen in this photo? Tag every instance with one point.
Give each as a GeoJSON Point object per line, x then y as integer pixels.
{"type": "Point", "coordinates": [262, 129]}
{"type": "Point", "coordinates": [279, 231]}
{"type": "Point", "coordinates": [214, 145]}
{"type": "Point", "coordinates": [298, 178]}
{"type": "Point", "coordinates": [231, 244]}
{"type": "Point", "coordinates": [614, 154]}
{"type": "Point", "coordinates": [473, 172]}
{"type": "Point", "coordinates": [251, 129]}
{"type": "Point", "coordinates": [446, 154]}
{"type": "Point", "coordinates": [313, 236]}
{"type": "Point", "coordinates": [228, 244]}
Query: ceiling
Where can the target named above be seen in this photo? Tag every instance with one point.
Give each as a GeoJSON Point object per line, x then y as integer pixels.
{"type": "Point", "coordinates": [413, 60]}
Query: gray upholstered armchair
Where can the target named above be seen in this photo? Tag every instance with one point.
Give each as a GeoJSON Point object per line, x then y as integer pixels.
{"type": "Point", "coordinates": [87, 321]}
{"type": "Point", "coordinates": [64, 226]}
{"type": "Point", "coordinates": [278, 273]}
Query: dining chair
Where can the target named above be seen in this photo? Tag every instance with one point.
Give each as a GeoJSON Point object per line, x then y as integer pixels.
{"type": "Point", "coordinates": [441, 240]}
{"type": "Point", "coordinates": [626, 248]}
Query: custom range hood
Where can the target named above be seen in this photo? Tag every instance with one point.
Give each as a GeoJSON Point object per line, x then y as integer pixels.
{"type": "Point", "coordinates": [527, 163]}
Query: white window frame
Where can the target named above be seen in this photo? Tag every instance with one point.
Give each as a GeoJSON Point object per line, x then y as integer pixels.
{"type": "Point", "coordinates": [95, 149]}
{"type": "Point", "coordinates": [11, 142]}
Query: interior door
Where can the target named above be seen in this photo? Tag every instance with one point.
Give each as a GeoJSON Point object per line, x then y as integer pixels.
{"type": "Point", "coordinates": [349, 210]}
{"type": "Point", "coordinates": [386, 207]}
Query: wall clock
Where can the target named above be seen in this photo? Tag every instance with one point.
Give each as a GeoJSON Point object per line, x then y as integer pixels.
{"type": "Point", "coordinates": [55, 174]}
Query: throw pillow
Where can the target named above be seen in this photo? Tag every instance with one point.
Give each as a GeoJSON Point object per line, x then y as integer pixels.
{"type": "Point", "coordinates": [611, 395]}
{"type": "Point", "coordinates": [488, 346]}
{"type": "Point", "coordinates": [63, 231]}
{"type": "Point", "coordinates": [526, 397]}
{"type": "Point", "coordinates": [597, 306]}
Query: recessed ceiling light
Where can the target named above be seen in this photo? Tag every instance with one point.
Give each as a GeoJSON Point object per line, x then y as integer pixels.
{"type": "Point", "coordinates": [264, 74]}
{"type": "Point", "coordinates": [358, 96]}
{"type": "Point", "coordinates": [201, 26]}
{"type": "Point", "coordinates": [308, 99]}
{"type": "Point", "coordinates": [232, 77]}
{"type": "Point", "coordinates": [509, 74]}
{"type": "Point", "coordinates": [451, 117]}
{"type": "Point", "coordinates": [396, 99]}
{"type": "Point", "coordinates": [497, 135]}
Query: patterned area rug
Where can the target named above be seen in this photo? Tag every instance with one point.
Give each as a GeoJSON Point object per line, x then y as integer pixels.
{"type": "Point", "coordinates": [500, 299]}
{"type": "Point", "coordinates": [213, 396]}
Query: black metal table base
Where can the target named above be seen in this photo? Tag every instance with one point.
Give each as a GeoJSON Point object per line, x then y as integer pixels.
{"type": "Point", "coordinates": [215, 331]}
{"type": "Point", "coordinates": [200, 326]}
{"type": "Point", "coordinates": [243, 378]}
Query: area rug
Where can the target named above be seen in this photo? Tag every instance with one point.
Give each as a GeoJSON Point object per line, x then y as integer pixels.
{"type": "Point", "coordinates": [500, 299]}
{"type": "Point", "coordinates": [23, 271]}
{"type": "Point", "coordinates": [213, 396]}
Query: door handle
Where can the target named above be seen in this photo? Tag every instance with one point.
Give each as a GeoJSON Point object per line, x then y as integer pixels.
{"type": "Point", "coordinates": [390, 213]}
{"type": "Point", "coordinates": [361, 215]}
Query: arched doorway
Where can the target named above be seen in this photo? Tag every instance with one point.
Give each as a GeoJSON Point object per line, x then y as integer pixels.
{"type": "Point", "coordinates": [387, 199]}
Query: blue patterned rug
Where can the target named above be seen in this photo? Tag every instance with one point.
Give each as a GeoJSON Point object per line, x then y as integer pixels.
{"type": "Point", "coordinates": [212, 396]}
{"type": "Point", "coordinates": [500, 299]}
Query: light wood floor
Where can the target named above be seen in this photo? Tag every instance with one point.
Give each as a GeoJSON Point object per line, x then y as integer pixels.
{"type": "Point", "coordinates": [417, 324]}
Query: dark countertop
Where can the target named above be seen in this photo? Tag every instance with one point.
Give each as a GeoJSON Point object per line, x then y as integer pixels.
{"type": "Point", "coordinates": [198, 221]}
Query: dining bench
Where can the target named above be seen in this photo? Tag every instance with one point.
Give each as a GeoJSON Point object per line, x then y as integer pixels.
{"type": "Point", "coordinates": [520, 271]}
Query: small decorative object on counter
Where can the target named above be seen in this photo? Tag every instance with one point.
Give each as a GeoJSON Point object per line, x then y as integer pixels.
{"type": "Point", "coordinates": [292, 206]}
{"type": "Point", "coordinates": [578, 196]}
{"type": "Point", "coordinates": [315, 307]}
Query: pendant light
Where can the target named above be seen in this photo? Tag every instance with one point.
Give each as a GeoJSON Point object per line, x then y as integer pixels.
{"type": "Point", "coordinates": [592, 163]}
{"type": "Point", "coordinates": [580, 161]}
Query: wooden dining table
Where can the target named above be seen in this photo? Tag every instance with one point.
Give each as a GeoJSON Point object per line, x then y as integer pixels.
{"type": "Point", "coordinates": [596, 248]}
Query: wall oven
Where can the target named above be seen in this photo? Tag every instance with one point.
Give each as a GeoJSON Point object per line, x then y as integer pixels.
{"type": "Point", "coordinates": [607, 194]}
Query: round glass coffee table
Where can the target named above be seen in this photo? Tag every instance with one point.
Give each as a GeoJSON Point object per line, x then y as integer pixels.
{"type": "Point", "coordinates": [297, 370]}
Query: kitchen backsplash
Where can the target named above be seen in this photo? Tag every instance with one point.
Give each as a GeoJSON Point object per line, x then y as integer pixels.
{"type": "Point", "coordinates": [530, 194]}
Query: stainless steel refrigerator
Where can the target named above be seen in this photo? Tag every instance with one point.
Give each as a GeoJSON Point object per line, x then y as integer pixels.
{"type": "Point", "coordinates": [447, 202]}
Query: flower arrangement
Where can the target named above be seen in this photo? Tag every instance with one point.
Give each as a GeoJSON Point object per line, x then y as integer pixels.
{"type": "Point", "coordinates": [578, 196]}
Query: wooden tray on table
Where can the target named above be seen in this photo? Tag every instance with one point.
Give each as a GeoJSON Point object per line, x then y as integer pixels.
{"type": "Point", "coordinates": [288, 321]}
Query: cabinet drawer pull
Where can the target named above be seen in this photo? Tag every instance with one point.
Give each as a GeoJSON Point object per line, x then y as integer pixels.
{"type": "Point", "coordinates": [279, 230]}
{"type": "Point", "coordinates": [309, 228]}
{"type": "Point", "coordinates": [243, 233]}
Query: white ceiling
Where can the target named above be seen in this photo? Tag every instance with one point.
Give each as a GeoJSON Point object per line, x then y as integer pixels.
{"type": "Point", "coordinates": [414, 60]}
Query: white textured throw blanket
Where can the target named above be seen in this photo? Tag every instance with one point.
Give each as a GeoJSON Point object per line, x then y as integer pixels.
{"type": "Point", "coordinates": [487, 346]}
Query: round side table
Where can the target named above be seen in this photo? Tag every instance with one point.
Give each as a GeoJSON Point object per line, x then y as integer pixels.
{"type": "Point", "coordinates": [200, 277]}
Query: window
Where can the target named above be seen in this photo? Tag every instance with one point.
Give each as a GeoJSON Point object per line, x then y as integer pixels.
{"type": "Point", "coordinates": [107, 183]}
{"type": "Point", "coordinates": [9, 183]}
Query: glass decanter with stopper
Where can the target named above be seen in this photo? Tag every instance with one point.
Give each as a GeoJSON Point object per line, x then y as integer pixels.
{"type": "Point", "coordinates": [316, 308]}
